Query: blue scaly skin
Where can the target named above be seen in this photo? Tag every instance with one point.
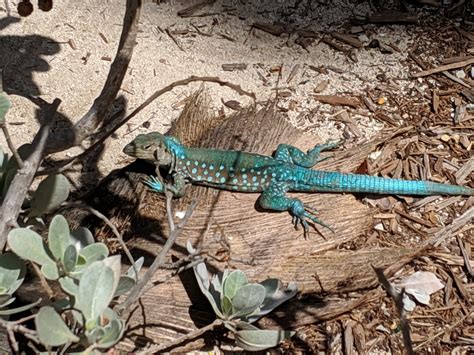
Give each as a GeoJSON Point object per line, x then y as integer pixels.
{"type": "Point", "coordinates": [288, 170]}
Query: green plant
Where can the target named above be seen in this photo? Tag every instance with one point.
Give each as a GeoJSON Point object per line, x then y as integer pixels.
{"type": "Point", "coordinates": [51, 192]}
{"type": "Point", "coordinates": [89, 277]}
{"type": "Point", "coordinates": [12, 275]}
{"type": "Point", "coordinates": [238, 303]}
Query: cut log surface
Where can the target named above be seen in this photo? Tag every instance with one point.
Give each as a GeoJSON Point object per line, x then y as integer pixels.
{"type": "Point", "coordinates": [263, 244]}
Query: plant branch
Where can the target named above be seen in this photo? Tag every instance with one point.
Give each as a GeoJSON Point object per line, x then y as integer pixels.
{"type": "Point", "coordinates": [103, 103]}
{"type": "Point", "coordinates": [10, 144]}
{"type": "Point", "coordinates": [21, 182]}
{"type": "Point", "coordinates": [110, 130]}
{"type": "Point", "coordinates": [190, 336]}
{"type": "Point", "coordinates": [139, 289]}
{"type": "Point", "coordinates": [43, 281]}
{"type": "Point", "coordinates": [112, 227]}
{"type": "Point", "coordinates": [12, 327]}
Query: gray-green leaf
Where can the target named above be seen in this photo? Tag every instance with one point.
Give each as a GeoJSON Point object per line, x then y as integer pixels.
{"type": "Point", "coordinates": [28, 245]}
{"type": "Point", "coordinates": [202, 277]}
{"type": "Point", "coordinates": [96, 289]}
{"type": "Point", "coordinates": [233, 282]}
{"type": "Point", "coordinates": [138, 265]}
{"type": "Point", "coordinates": [273, 300]}
{"type": "Point", "coordinates": [114, 263]}
{"type": "Point", "coordinates": [12, 167]}
{"type": "Point", "coordinates": [256, 340]}
{"type": "Point", "coordinates": [58, 236]}
{"type": "Point", "coordinates": [11, 269]}
{"type": "Point", "coordinates": [94, 252]}
{"type": "Point", "coordinates": [4, 107]}
{"type": "Point", "coordinates": [70, 258]}
{"type": "Point", "coordinates": [125, 284]}
{"type": "Point", "coordinates": [69, 285]}
{"type": "Point", "coordinates": [226, 305]}
{"type": "Point", "coordinates": [6, 299]}
{"type": "Point", "coordinates": [113, 333]}
{"type": "Point", "coordinates": [51, 192]}
{"type": "Point", "coordinates": [82, 236]}
{"type": "Point", "coordinates": [247, 299]}
{"type": "Point", "coordinates": [50, 270]}
{"type": "Point", "coordinates": [7, 312]}
{"type": "Point", "coordinates": [52, 331]}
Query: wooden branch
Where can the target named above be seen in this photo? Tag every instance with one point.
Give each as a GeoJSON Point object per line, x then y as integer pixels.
{"type": "Point", "coordinates": [21, 182]}
{"type": "Point", "coordinates": [338, 100]}
{"type": "Point", "coordinates": [442, 68]}
{"type": "Point", "coordinates": [102, 104]}
{"type": "Point", "coordinates": [154, 96]}
{"type": "Point", "coordinates": [187, 337]}
{"type": "Point", "coordinates": [451, 229]}
{"type": "Point", "coordinates": [114, 230]}
{"type": "Point", "coordinates": [392, 17]}
{"type": "Point", "coordinates": [189, 11]}
{"type": "Point", "coordinates": [138, 290]}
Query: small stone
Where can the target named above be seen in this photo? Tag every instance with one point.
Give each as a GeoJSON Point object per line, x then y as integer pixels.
{"type": "Point", "coordinates": [180, 214]}
{"type": "Point", "coordinates": [460, 74]}
{"type": "Point", "coordinates": [379, 227]}
{"type": "Point", "coordinates": [363, 38]}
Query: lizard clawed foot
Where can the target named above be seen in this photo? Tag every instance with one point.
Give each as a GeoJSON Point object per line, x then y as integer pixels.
{"type": "Point", "coordinates": [300, 215]}
{"type": "Point", "coordinates": [324, 147]}
{"type": "Point", "coordinates": [158, 186]}
{"type": "Point", "coordinates": [154, 183]}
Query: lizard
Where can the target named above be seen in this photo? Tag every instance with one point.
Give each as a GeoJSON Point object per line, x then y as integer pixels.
{"type": "Point", "coordinates": [289, 169]}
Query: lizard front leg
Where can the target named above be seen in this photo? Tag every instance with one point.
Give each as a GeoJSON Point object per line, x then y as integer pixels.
{"type": "Point", "coordinates": [273, 198]}
{"type": "Point", "coordinates": [177, 188]}
{"type": "Point", "coordinates": [293, 155]}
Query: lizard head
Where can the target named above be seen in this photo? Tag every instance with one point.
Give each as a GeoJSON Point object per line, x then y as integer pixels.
{"type": "Point", "coordinates": [153, 147]}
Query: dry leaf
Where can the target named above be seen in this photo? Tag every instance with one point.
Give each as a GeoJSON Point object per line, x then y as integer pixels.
{"type": "Point", "coordinates": [420, 286]}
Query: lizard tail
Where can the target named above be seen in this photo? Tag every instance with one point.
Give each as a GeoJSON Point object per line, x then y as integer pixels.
{"type": "Point", "coordinates": [327, 181]}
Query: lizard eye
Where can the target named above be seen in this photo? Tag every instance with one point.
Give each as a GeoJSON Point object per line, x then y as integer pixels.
{"type": "Point", "coordinates": [147, 147]}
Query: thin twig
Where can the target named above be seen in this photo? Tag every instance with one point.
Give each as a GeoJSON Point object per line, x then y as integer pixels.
{"type": "Point", "coordinates": [7, 7]}
{"type": "Point", "coordinates": [451, 229]}
{"type": "Point", "coordinates": [12, 327]}
{"type": "Point", "coordinates": [170, 35]}
{"type": "Point", "coordinates": [10, 144]}
{"type": "Point", "coordinates": [190, 336]}
{"type": "Point", "coordinates": [174, 273]}
{"type": "Point", "coordinates": [21, 182]}
{"type": "Point", "coordinates": [398, 298]}
{"type": "Point", "coordinates": [154, 96]}
{"type": "Point", "coordinates": [113, 228]}
{"type": "Point", "coordinates": [139, 289]}
{"type": "Point", "coordinates": [445, 330]}
{"type": "Point", "coordinates": [43, 281]}
{"type": "Point", "coordinates": [442, 68]}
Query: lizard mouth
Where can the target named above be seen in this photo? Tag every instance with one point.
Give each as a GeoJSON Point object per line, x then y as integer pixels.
{"type": "Point", "coordinates": [129, 149]}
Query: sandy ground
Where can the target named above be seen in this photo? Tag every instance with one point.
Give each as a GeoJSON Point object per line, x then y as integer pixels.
{"type": "Point", "coordinates": [66, 53]}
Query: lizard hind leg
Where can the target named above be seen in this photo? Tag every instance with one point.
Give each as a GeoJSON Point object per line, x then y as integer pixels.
{"type": "Point", "coordinates": [293, 155]}
{"type": "Point", "coordinates": [301, 213]}
{"type": "Point", "coordinates": [273, 198]}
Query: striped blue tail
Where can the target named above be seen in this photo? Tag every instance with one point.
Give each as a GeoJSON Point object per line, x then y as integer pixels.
{"type": "Point", "coordinates": [328, 181]}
